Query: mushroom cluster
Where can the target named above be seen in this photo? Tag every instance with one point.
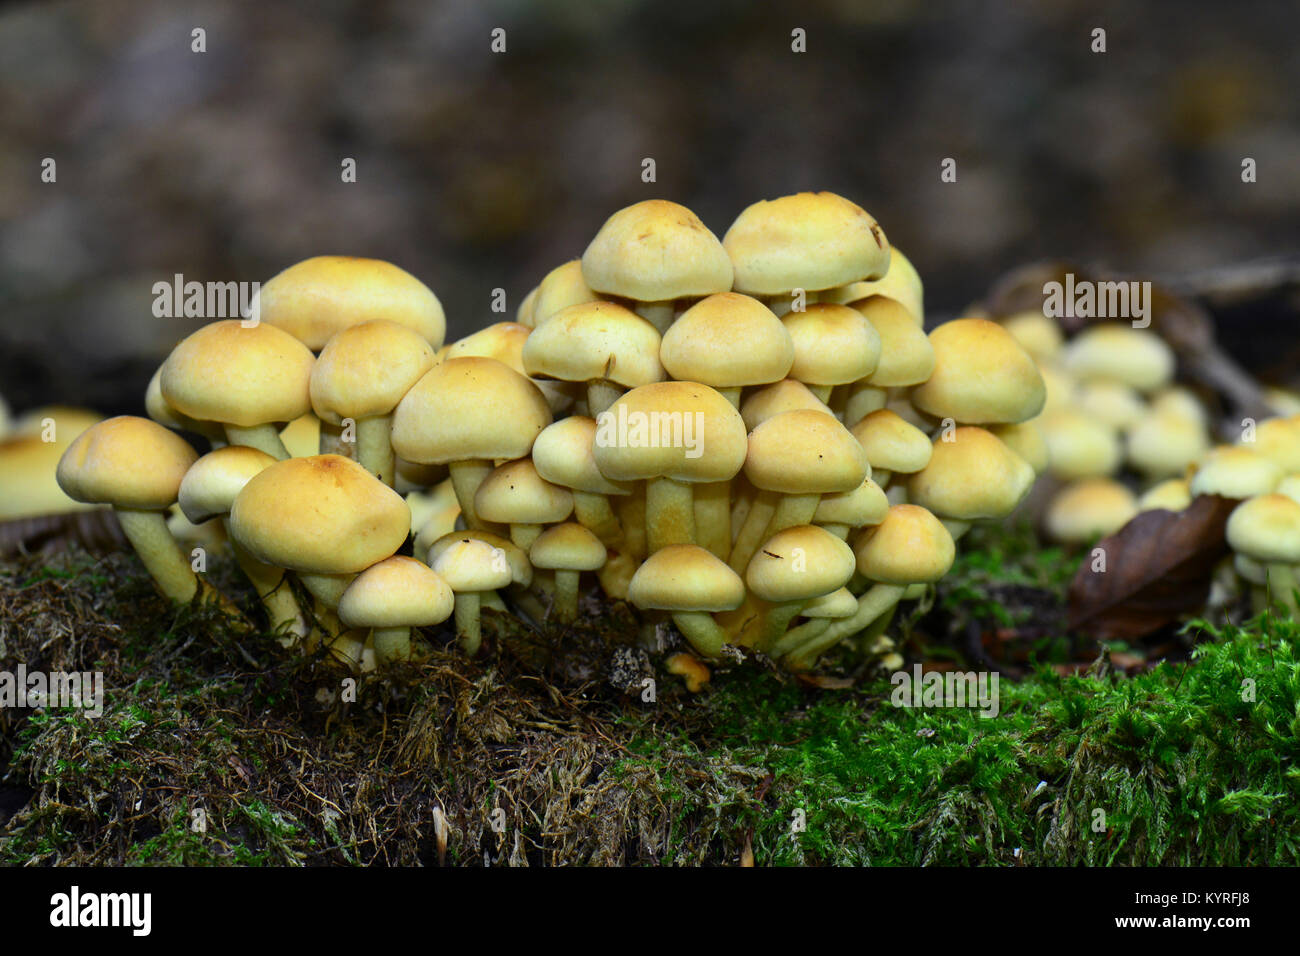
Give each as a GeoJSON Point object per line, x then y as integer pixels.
{"type": "Point", "coordinates": [752, 436]}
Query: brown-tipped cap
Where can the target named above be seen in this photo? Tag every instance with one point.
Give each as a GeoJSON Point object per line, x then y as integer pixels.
{"type": "Point", "coordinates": [320, 515]}
{"type": "Point", "coordinates": [981, 376]}
{"type": "Point", "coordinates": [911, 546]}
{"type": "Point", "coordinates": [728, 340]}
{"type": "Point", "coordinates": [653, 251]}
{"type": "Point", "coordinates": [227, 373]}
{"type": "Point", "coordinates": [210, 486]}
{"type": "Point", "coordinates": [784, 396]}
{"type": "Point", "coordinates": [685, 577]}
{"type": "Point", "coordinates": [567, 547]}
{"type": "Point", "coordinates": [799, 564]}
{"type": "Point", "coordinates": [906, 356]}
{"type": "Point", "coordinates": [316, 298]}
{"type": "Point", "coordinates": [469, 408]}
{"type": "Point", "coordinates": [514, 493]}
{"type": "Point", "coordinates": [126, 462]}
{"type": "Point", "coordinates": [891, 443]}
{"type": "Point", "coordinates": [833, 344]}
{"type": "Point", "coordinates": [365, 369]}
{"type": "Point", "coordinates": [805, 452]}
{"type": "Point", "coordinates": [681, 430]}
{"type": "Point", "coordinates": [971, 477]}
{"type": "Point", "coordinates": [1266, 528]}
{"type": "Point", "coordinates": [592, 341]}
{"type": "Point", "coordinates": [565, 454]}
{"type": "Point", "coordinates": [396, 592]}
{"type": "Point", "coordinates": [806, 241]}
{"type": "Point", "coordinates": [1092, 508]}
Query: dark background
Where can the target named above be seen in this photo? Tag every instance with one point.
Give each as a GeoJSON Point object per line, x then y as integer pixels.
{"type": "Point", "coordinates": [478, 170]}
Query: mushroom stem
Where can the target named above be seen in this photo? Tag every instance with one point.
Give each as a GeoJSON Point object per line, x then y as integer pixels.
{"type": "Point", "coordinates": [862, 400]}
{"type": "Point", "coordinates": [262, 437]}
{"type": "Point", "coordinates": [523, 535]}
{"type": "Point", "coordinates": [879, 599]}
{"type": "Point", "coordinates": [601, 394]}
{"type": "Point", "coordinates": [616, 575]}
{"type": "Point", "coordinates": [348, 648]}
{"type": "Point", "coordinates": [1282, 586]}
{"type": "Point", "coordinates": [670, 513]}
{"type": "Point", "coordinates": [331, 440]}
{"type": "Point", "coordinates": [631, 515]}
{"type": "Point", "coordinates": [468, 629]}
{"type": "Point", "coordinates": [701, 631]}
{"type": "Point", "coordinates": [283, 614]}
{"type": "Point", "coordinates": [775, 621]}
{"type": "Point", "coordinates": [821, 392]}
{"type": "Point", "coordinates": [731, 394]}
{"type": "Point", "coordinates": [805, 656]}
{"type": "Point", "coordinates": [466, 476]}
{"type": "Point", "coordinates": [791, 511]}
{"type": "Point", "coordinates": [840, 531]}
{"type": "Point", "coordinates": [159, 552]}
{"type": "Point", "coordinates": [658, 314]}
{"type": "Point", "coordinates": [713, 517]}
{"type": "Point", "coordinates": [752, 532]}
{"type": "Point", "coordinates": [565, 606]}
{"type": "Point", "coordinates": [392, 644]}
{"type": "Point", "coordinates": [374, 448]}
{"type": "Point", "coordinates": [326, 588]}
{"type": "Point", "coordinates": [594, 513]}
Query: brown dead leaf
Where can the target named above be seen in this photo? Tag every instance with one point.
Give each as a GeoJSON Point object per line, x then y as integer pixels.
{"type": "Point", "coordinates": [1158, 568]}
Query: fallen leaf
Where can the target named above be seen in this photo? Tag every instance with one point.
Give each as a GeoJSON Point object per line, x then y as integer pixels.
{"type": "Point", "coordinates": [1158, 568]}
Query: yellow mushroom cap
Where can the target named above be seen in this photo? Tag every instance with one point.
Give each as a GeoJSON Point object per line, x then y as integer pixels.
{"type": "Point", "coordinates": [1112, 403]}
{"type": "Point", "coordinates": [799, 564]}
{"type": "Point", "coordinates": [685, 577]}
{"type": "Point", "coordinates": [315, 299]}
{"type": "Point", "coordinates": [1235, 471]}
{"type": "Point", "coordinates": [1120, 353]}
{"type": "Point", "coordinates": [805, 452]}
{"type": "Point", "coordinates": [728, 340]}
{"type": "Point", "coordinates": [833, 344]}
{"type": "Point", "coordinates": [321, 515]}
{"type": "Point", "coordinates": [521, 569]}
{"type": "Point", "coordinates": [906, 356]}
{"type": "Point", "coordinates": [971, 477]}
{"type": "Point", "coordinates": [806, 241]}
{"type": "Point", "coordinates": [212, 483]}
{"type": "Point", "coordinates": [28, 463]}
{"type": "Point", "coordinates": [680, 430]}
{"type": "Point", "coordinates": [981, 376]}
{"type": "Point", "coordinates": [1026, 440]}
{"type": "Point", "coordinates": [902, 283]}
{"type": "Point", "coordinates": [365, 369]}
{"type": "Point", "coordinates": [1166, 443]}
{"type": "Point", "coordinates": [565, 454]}
{"type": "Point", "coordinates": [1172, 494]}
{"type": "Point", "coordinates": [1038, 334]}
{"type": "Point", "coordinates": [891, 443]}
{"type": "Point", "coordinates": [525, 314]}
{"type": "Point", "coordinates": [1094, 507]}
{"type": "Point", "coordinates": [1267, 529]}
{"type": "Point", "coordinates": [1279, 439]}
{"type": "Point", "coordinates": [593, 341]}
{"type": "Point", "coordinates": [1290, 486]}
{"type": "Point", "coordinates": [865, 504]}
{"type": "Point", "coordinates": [469, 564]}
{"type": "Point", "coordinates": [654, 251]}
{"type": "Point", "coordinates": [241, 376]}
{"type": "Point", "coordinates": [514, 493]}
{"type": "Point", "coordinates": [126, 462]}
{"type": "Point", "coordinates": [563, 286]}
{"type": "Point", "coordinates": [396, 592]}
{"type": "Point", "coordinates": [567, 547]}
{"type": "Point", "coordinates": [783, 396]}
{"type": "Point", "coordinates": [911, 546]}
{"type": "Point", "coordinates": [503, 341]}
{"type": "Point", "coordinates": [1079, 446]}
{"type": "Point", "coordinates": [838, 603]}
{"type": "Point", "coordinates": [469, 408]}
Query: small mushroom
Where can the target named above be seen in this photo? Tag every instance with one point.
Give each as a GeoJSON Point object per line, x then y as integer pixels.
{"type": "Point", "coordinates": [691, 584]}
{"type": "Point", "coordinates": [567, 549]}
{"type": "Point", "coordinates": [472, 568]}
{"type": "Point", "coordinates": [392, 597]}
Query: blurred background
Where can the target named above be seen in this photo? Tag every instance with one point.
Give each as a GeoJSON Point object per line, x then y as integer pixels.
{"type": "Point", "coordinates": [477, 170]}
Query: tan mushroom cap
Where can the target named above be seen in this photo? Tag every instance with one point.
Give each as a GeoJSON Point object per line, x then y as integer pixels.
{"type": "Point", "coordinates": [211, 485]}
{"type": "Point", "coordinates": [28, 464]}
{"type": "Point", "coordinates": [565, 454]}
{"type": "Point", "coordinates": [685, 577]}
{"type": "Point", "coordinates": [974, 476]}
{"type": "Point", "coordinates": [503, 341]}
{"type": "Point", "coordinates": [1061, 387]}
{"type": "Point", "coordinates": [806, 241]}
{"type": "Point", "coordinates": [902, 283]}
{"type": "Point", "coordinates": [833, 344]}
{"type": "Point", "coordinates": [1087, 509]}
{"type": "Point", "coordinates": [891, 443]}
{"type": "Point", "coordinates": [69, 421]}
{"type": "Point", "coordinates": [397, 592]}
{"type": "Point", "coordinates": [126, 462]}
{"type": "Point", "coordinates": [595, 340]}
{"type": "Point", "coordinates": [906, 356]}
{"type": "Point", "coordinates": [865, 504]}
{"type": "Point", "coordinates": [786, 395]}
{"type": "Point", "coordinates": [514, 493]}
{"type": "Point", "coordinates": [1112, 403]}
{"type": "Point", "coordinates": [658, 443]}
{"type": "Point", "coordinates": [525, 314]}
{"type": "Point", "coordinates": [563, 286]}
{"type": "Point", "coordinates": [1165, 444]}
{"type": "Point", "coordinates": [521, 569]}
{"type": "Point", "coordinates": [319, 515]}
{"type": "Point", "coordinates": [1120, 353]}
{"type": "Point", "coordinates": [805, 452]}
{"type": "Point", "coordinates": [1026, 440]}
{"type": "Point", "coordinates": [1182, 401]}
{"type": "Point", "coordinates": [319, 297]}
{"type": "Point", "coordinates": [469, 564]}
{"type": "Point", "coordinates": [798, 564]}
{"type": "Point", "coordinates": [1279, 439]}
{"type": "Point", "coordinates": [365, 369]}
{"type": "Point", "coordinates": [1080, 447]}
{"type": "Point", "coordinates": [1290, 486]}
{"type": "Point", "coordinates": [301, 437]}
{"type": "Point", "coordinates": [1038, 334]}
{"type": "Point", "coordinates": [728, 340]}
{"type": "Point", "coordinates": [654, 251]}
{"type": "Point", "coordinates": [1267, 529]}
{"type": "Point", "coordinates": [911, 546]}
{"type": "Point", "coordinates": [839, 603]}
{"type": "Point", "coordinates": [567, 547]}
{"type": "Point", "coordinates": [239, 376]}
{"type": "Point", "coordinates": [1172, 494]}
{"type": "Point", "coordinates": [469, 408]}
{"type": "Point", "coordinates": [982, 376]}
{"type": "Point", "coordinates": [1235, 471]}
